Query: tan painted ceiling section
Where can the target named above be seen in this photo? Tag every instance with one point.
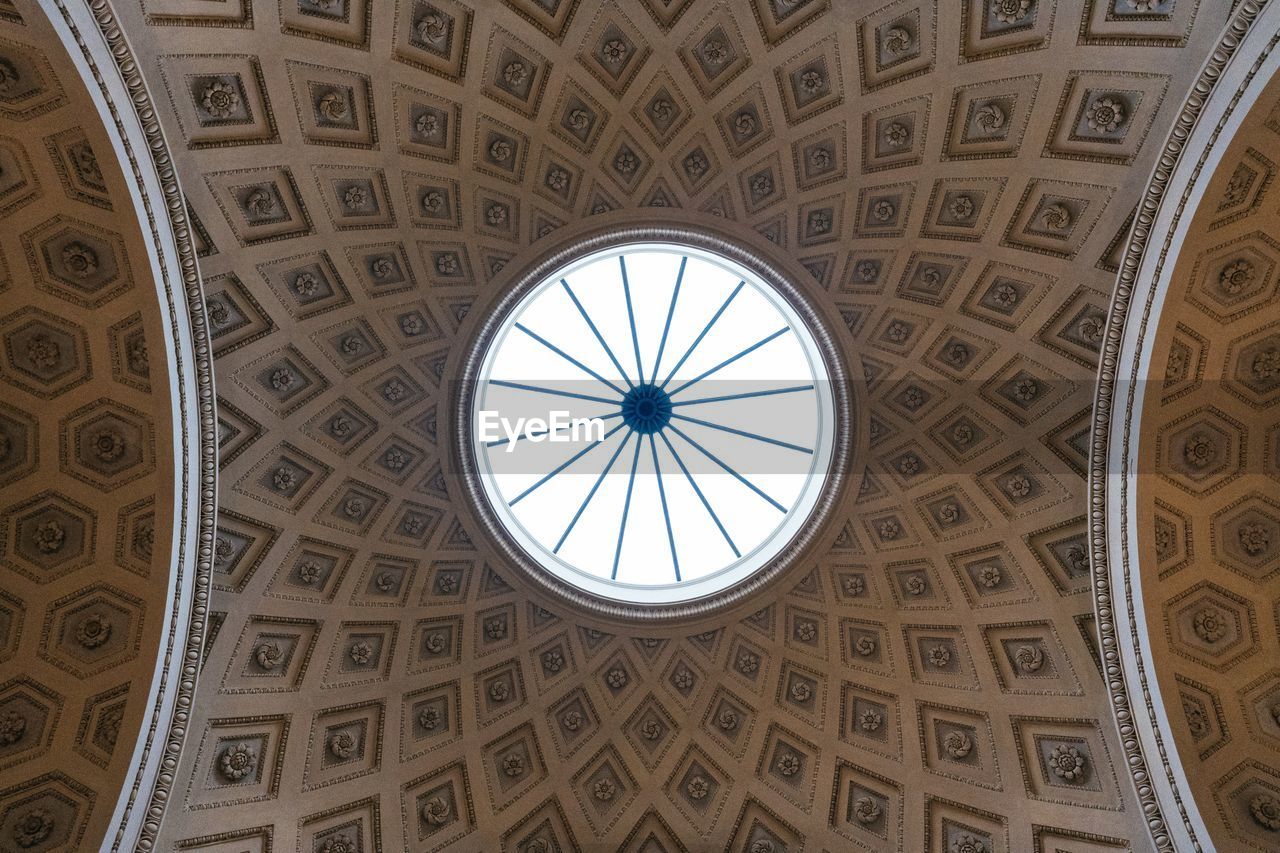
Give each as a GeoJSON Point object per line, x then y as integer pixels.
{"type": "Point", "coordinates": [368, 178]}
{"type": "Point", "coordinates": [1209, 522]}
{"type": "Point", "coordinates": [86, 454]}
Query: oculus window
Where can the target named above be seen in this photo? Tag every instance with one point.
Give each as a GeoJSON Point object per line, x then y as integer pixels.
{"type": "Point", "coordinates": [653, 423]}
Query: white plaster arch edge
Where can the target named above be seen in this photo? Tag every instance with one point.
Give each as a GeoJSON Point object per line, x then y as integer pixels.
{"type": "Point", "coordinates": [1230, 83]}
{"type": "Point", "coordinates": [106, 65]}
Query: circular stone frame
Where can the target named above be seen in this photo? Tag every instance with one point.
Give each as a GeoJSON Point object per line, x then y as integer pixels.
{"type": "Point", "coordinates": [609, 238]}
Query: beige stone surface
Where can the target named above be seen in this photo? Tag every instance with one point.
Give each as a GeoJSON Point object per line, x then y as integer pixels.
{"type": "Point", "coordinates": [951, 185]}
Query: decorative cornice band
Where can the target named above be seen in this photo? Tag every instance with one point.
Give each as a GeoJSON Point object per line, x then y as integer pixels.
{"type": "Point", "coordinates": [98, 47]}
{"type": "Point", "coordinates": [1240, 52]}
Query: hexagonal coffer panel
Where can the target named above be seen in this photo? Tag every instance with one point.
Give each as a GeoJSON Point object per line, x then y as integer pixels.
{"type": "Point", "coordinates": [107, 444]}
{"type": "Point", "coordinates": [48, 536]}
{"type": "Point", "coordinates": [93, 630]}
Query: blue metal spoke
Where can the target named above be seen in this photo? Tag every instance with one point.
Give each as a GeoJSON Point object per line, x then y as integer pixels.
{"type": "Point", "coordinates": [626, 508]}
{"type": "Point", "coordinates": [788, 390]}
{"type": "Point", "coordinates": [631, 314]}
{"type": "Point", "coordinates": [591, 494]}
{"type": "Point", "coordinates": [744, 433]}
{"type": "Point", "coordinates": [555, 349]}
{"type": "Point", "coordinates": [671, 312]}
{"type": "Point", "coordinates": [666, 514]}
{"type": "Point", "coordinates": [556, 392]}
{"type": "Point", "coordinates": [741, 479]}
{"type": "Point", "coordinates": [651, 396]}
{"type": "Point", "coordinates": [596, 332]}
{"type": "Point", "coordinates": [711, 512]}
{"type": "Point", "coordinates": [503, 441]}
{"type": "Point", "coordinates": [702, 334]}
{"type": "Point", "coordinates": [731, 359]}
{"type": "Point", "coordinates": [583, 452]}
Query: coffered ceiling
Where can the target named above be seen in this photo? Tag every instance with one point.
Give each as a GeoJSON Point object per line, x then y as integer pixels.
{"type": "Point", "coordinates": [950, 185]}
{"type": "Point", "coordinates": [1208, 511]}
{"type": "Point", "coordinates": [90, 491]}
{"type": "Point", "coordinates": [1187, 530]}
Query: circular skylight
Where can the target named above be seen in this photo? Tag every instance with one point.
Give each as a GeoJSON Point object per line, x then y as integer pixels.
{"type": "Point", "coordinates": [653, 423]}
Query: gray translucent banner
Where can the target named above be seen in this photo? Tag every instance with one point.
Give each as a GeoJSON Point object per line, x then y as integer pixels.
{"type": "Point", "coordinates": [916, 427]}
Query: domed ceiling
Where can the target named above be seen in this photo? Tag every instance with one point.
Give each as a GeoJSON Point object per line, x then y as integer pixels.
{"type": "Point", "coordinates": [951, 187]}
